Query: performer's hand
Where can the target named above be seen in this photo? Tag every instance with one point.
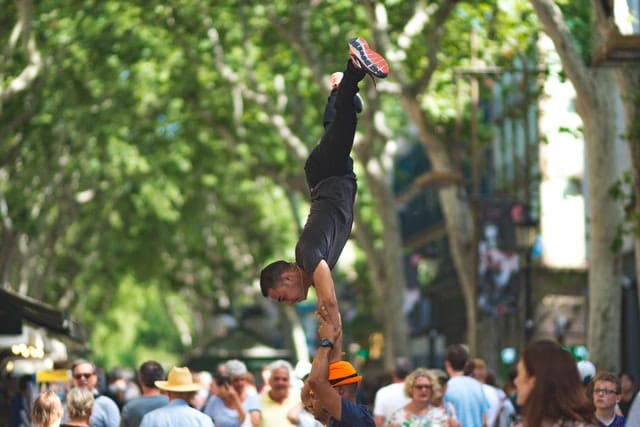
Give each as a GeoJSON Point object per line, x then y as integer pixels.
{"type": "Point", "coordinates": [326, 329]}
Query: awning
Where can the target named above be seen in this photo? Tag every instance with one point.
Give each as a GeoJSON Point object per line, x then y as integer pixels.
{"type": "Point", "coordinates": [15, 308]}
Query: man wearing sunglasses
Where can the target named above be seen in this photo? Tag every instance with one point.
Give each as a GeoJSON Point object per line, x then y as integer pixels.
{"type": "Point", "coordinates": [105, 411]}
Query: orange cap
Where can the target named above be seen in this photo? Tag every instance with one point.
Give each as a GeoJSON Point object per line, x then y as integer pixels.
{"type": "Point", "coordinates": [341, 373]}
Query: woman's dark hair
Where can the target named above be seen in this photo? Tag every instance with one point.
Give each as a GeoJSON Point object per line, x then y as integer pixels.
{"type": "Point", "coordinates": [558, 392]}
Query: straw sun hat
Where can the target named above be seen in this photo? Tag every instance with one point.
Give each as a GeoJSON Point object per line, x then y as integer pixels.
{"type": "Point", "coordinates": [179, 380]}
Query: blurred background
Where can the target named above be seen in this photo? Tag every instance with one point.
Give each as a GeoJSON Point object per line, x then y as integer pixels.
{"type": "Point", "coordinates": [151, 160]}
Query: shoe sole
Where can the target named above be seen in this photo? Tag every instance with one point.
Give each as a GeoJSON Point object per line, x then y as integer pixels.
{"type": "Point", "coordinates": [369, 60]}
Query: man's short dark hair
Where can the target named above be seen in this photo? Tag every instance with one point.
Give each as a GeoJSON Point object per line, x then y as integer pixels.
{"type": "Point", "coordinates": [402, 368]}
{"type": "Point", "coordinates": [150, 372]}
{"type": "Point", "coordinates": [609, 377]}
{"type": "Point", "coordinates": [270, 275]}
{"type": "Point", "coordinates": [457, 356]}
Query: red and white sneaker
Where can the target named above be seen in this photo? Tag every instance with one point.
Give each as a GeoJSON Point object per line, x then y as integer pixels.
{"type": "Point", "coordinates": [367, 59]}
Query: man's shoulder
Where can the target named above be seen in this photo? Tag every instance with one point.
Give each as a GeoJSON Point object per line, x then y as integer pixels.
{"type": "Point", "coordinates": [390, 389]}
{"type": "Point", "coordinates": [105, 402]}
{"type": "Point", "coordinates": [144, 402]}
{"type": "Point", "coordinates": [292, 399]}
{"type": "Point", "coordinates": [355, 414]}
{"type": "Point", "coordinates": [463, 385]}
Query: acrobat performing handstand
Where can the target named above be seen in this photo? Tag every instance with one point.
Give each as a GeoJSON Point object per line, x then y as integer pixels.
{"type": "Point", "coordinates": [332, 184]}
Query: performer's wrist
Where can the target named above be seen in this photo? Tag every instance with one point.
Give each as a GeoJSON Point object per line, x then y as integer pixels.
{"type": "Point", "coordinates": [326, 343]}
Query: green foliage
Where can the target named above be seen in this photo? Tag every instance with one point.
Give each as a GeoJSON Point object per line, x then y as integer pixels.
{"type": "Point", "coordinates": [623, 192]}
{"type": "Point", "coordinates": [577, 17]}
{"type": "Point", "coordinates": [138, 173]}
{"type": "Point", "coordinates": [137, 327]}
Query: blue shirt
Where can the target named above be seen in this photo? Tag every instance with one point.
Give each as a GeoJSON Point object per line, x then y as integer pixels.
{"type": "Point", "coordinates": [176, 414]}
{"type": "Point", "coordinates": [618, 421]}
{"type": "Point", "coordinates": [105, 413]}
{"type": "Point", "coordinates": [223, 416]}
{"type": "Point", "coordinates": [353, 415]}
{"type": "Point", "coordinates": [135, 409]}
{"type": "Point", "coordinates": [467, 397]}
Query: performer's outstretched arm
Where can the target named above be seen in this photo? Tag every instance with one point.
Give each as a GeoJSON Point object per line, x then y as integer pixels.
{"type": "Point", "coordinates": [326, 293]}
{"type": "Point", "coordinates": [328, 397]}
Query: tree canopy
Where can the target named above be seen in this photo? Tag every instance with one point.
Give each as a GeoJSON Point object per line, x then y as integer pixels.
{"type": "Point", "coordinates": [151, 153]}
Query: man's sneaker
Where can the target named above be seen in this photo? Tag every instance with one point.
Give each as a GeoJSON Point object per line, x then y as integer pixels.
{"type": "Point", "coordinates": [367, 59]}
{"type": "Point", "coordinates": [335, 79]}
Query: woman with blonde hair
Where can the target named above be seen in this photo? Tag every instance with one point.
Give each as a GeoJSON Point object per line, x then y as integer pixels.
{"type": "Point", "coordinates": [46, 410]}
{"type": "Point", "coordinates": [79, 407]}
{"type": "Point", "coordinates": [424, 408]}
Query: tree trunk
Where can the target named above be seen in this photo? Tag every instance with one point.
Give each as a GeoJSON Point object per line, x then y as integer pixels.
{"type": "Point", "coordinates": [628, 80]}
{"type": "Point", "coordinates": [597, 109]}
{"type": "Point", "coordinates": [395, 329]}
{"type": "Point", "coordinates": [388, 277]}
{"type": "Point", "coordinates": [605, 214]}
{"type": "Point", "coordinates": [458, 218]}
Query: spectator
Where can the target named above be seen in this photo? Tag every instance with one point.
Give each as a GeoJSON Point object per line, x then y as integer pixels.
{"type": "Point", "coordinates": [46, 410]}
{"type": "Point", "coordinates": [300, 417]}
{"type": "Point", "coordinates": [133, 411]}
{"type": "Point", "coordinates": [233, 403]}
{"type": "Point", "coordinates": [549, 388]}
{"type": "Point", "coordinates": [20, 406]}
{"type": "Point", "coordinates": [465, 393]}
{"type": "Point", "coordinates": [278, 400]}
{"type": "Point", "coordinates": [105, 411]}
{"type": "Point", "coordinates": [606, 395]}
{"type": "Point", "coordinates": [117, 387]}
{"type": "Point", "coordinates": [510, 389]}
{"type": "Point", "coordinates": [220, 377]}
{"type": "Point", "coordinates": [423, 409]}
{"type": "Point", "coordinates": [501, 412]}
{"type": "Point", "coordinates": [634, 414]}
{"type": "Point", "coordinates": [629, 392]}
{"type": "Point", "coordinates": [201, 397]}
{"type": "Point", "coordinates": [443, 379]}
{"type": "Point", "coordinates": [180, 389]}
{"type": "Point", "coordinates": [80, 404]}
{"type": "Point", "coordinates": [392, 396]}
{"type": "Point", "coordinates": [334, 385]}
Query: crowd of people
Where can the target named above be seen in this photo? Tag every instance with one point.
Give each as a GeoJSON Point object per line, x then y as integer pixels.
{"type": "Point", "coordinates": [548, 389]}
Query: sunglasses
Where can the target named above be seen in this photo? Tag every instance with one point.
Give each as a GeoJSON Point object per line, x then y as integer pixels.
{"type": "Point", "coordinates": [423, 386]}
{"type": "Point", "coordinates": [83, 375]}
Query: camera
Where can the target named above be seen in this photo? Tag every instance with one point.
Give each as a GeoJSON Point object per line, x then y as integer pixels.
{"type": "Point", "coordinates": [222, 380]}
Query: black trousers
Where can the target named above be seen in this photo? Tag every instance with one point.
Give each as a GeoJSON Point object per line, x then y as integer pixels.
{"type": "Point", "coordinates": [332, 155]}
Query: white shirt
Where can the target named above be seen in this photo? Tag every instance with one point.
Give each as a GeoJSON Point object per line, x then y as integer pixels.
{"type": "Point", "coordinates": [388, 399]}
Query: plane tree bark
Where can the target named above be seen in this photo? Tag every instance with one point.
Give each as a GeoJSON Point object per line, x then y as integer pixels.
{"type": "Point", "coordinates": [596, 104]}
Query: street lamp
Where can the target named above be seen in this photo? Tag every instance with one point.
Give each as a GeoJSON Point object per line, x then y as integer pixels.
{"type": "Point", "coordinates": [526, 230]}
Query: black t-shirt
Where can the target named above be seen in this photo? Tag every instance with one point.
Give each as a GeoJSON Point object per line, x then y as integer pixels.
{"type": "Point", "coordinates": [329, 222]}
